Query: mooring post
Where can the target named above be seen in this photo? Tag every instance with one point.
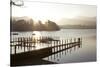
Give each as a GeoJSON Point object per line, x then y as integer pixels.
{"type": "Point", "coordinates": [79, 42]}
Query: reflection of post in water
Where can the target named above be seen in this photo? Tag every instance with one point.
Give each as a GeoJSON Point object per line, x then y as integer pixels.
{"type": "Point", "coordinates": [70, 45]}
{"type": "Point", "coordinates": [54, 57]}
{"type": "Point", "coordinates": [81, 42]}
{"type": "Point", "coordinates": [48, 57]}
{"type": "Point", "coordinates": [74, 41]}
{"type": "Point", "coordinates": [51, 57]}
{"type": "Point", "coordinates": [60, 54]}
{"type": "Point", "coordinates": [57, 55]}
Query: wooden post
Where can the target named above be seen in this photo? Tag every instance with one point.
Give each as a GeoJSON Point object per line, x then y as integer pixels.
{"type": "Point", "coordinates": [65, 44]}
{"type": "Point", "coordinates": [54, 46]}
{"type": "Point", "coordinates": [30, 42]}
{"type": "Point", "coordinates": [15, 49]}
{"type": "Point", "coordinates": [33, 41]}
{"type": "Point", "coordinates": [51, 43]}
{"type": "Point", "coordinates": [18, 42]}
{"type": "Point", "coordinates": [29, 46]}
{"type": "Point", "coordinates": [21, 42]}
{"type": "Point", "coordinates": [39, 40]}
{"type": "Point", "coordinates": [74, 39]}
{"type": "Point", "coordinates": [24, 44]}
{"type": "Point", "coordinates": [62, 44]}
{"type": "Point", "coordinates": [79, 42]}
{"type": "Point", "coordinates": [57, 46]}
{"type": "Point", "coordinates": [70, 42]}
{"type": "Point", "coordinates": [78, 39]}
{"type": "Point", "coordinates": [70, 50]}
{"type": "Point", "coordinates": [54, 43]}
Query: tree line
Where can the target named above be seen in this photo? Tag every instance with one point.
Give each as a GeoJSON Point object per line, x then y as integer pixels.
{"type": "Point", "coordinates": [27, 24]}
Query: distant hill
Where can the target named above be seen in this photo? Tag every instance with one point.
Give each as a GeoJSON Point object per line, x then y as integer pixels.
{"type": "Point", "coordinates": [27, 24]}
{"type": "Point", "coordinates": [77, 27]}
{"type": "Point", "coordinates": [80, 20]}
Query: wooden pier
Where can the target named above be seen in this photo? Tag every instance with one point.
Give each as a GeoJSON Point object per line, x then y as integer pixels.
{"type": "Point", "coordinates": [54, 46]}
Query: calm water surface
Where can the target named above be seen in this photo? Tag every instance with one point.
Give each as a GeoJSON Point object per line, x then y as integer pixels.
{"type": "Point", "coordinates": [86, 53]}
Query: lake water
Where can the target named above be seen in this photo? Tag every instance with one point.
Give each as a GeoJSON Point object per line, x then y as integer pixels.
{"type": "Point", "coordinates": [86, 53]}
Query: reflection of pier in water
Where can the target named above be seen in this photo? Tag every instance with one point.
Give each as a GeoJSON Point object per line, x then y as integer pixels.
{"type": "Point", "coordinates": [52, 48]}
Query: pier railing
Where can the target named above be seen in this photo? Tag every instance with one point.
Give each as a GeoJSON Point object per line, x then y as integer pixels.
{"type": "Point", "coordinates": [47, 47]}
{"type": "Point", "coordinates": [27, 44]}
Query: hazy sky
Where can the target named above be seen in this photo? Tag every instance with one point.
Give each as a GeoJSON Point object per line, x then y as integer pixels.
{"type": "Point", "coordinates": [52, 11]}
